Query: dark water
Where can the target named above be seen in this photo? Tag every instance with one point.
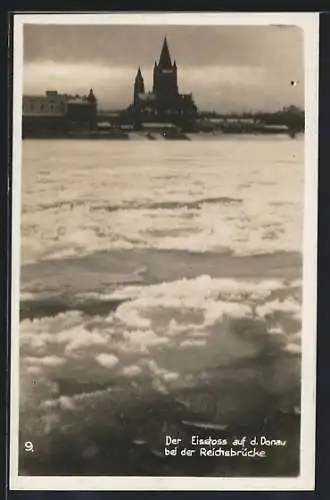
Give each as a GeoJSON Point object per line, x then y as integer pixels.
{"type": "Point", "coordinates": [92, 421]}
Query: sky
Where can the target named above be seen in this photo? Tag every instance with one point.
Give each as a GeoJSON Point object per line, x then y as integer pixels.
{"type": "Point", "coordinates": [226, 68]}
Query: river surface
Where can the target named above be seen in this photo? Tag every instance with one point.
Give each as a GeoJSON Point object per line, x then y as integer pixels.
{"type": "Point", "coordinates": [160, 284]}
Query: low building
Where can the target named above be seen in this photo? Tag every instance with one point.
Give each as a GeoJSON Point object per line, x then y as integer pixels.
{"type": "Point", "coordinates": [55, 114]}
{"type": "Point", "coordinates": [81, 112]}
{"type": "Point", "coordinates": [50, 104]}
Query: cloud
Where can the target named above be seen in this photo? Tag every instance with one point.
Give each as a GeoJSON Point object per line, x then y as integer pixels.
{"type": "Point", "coordinates": [276, 330]}
{"type": "Point", "coordinates": [34, 370]}
{"type": "Point", "coordinates": [131, 317]}
{"type": "Point", "coordinates": [192, 343]}
{"type": "Point", "coordinates": [111, 45]}
{"type": "Point", "coordinates": [107, 360]}
{"type": "Point", "coordinates": [131, 371]}
{"type": "Point", "coordinates": [63, 402]}
{"type": "Point", "coordinates": [162, 374]}
{"type": "Point", "coordinates": [289, 306]}
{"type": "Point", "coordinates": [216, 310]}
{"type": "Point", "coordinates": [141, 340]}
{"type": "Point", "coordinates": [46, 361]}
{"type": "Point", "coordinates": [79, 338]}
{"type": "Point", "coordinates": [292, 348]}
{"type": "Point", "coordinates": [170, 376]}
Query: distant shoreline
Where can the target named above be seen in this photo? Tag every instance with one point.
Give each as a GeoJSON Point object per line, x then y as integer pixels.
{"type": "Point", "coordinates": [154, 136]}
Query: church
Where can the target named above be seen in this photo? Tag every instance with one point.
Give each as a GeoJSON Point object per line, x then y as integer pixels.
{"type": "Point", "coordinates": [164, 103]}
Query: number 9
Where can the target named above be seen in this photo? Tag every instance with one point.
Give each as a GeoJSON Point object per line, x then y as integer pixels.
{"type": "Point", "coordinates": [28, 446]}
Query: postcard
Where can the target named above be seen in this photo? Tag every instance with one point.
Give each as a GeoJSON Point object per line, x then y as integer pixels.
{"type": "Point", "coordinates": [164, 243]}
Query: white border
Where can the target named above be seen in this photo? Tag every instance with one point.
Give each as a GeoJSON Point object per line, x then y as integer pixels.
{"type": "Point", "coordinates": [309, 22]}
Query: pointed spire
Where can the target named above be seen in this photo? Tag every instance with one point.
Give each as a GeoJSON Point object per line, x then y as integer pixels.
{"type": "Point", "coordinates": [139, 76]}
{"type": "Point", "coordinates": [165, 58]}
{"type": "Point", "coordinates": [91, 96]}
{"type": "Point", "coordinates": [139, 83]}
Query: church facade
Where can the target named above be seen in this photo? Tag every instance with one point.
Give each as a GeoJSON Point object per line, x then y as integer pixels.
{"type": "Point", "coordinates": [164, 103]}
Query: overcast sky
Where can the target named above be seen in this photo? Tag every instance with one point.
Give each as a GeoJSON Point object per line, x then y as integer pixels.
{"type": "Point", "coordinates": [227, 68]}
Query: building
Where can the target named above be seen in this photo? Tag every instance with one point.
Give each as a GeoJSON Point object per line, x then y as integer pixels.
{"type": "Point", "coordinates": [164, 103]}
{"type": "Point", "coordinates": [50, 104]}
{"type": "Point", "coordinates": [55, 114]}
{"type": "Point", "coordinates": [81, 112]}
{"type": "Point", "coordinates": [43, 115]}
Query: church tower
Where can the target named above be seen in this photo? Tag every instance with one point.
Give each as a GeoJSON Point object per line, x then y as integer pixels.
{"type": "Point", "coordinates": [165, 84]}
{"type": "Point", "coordinates": [138, 86]}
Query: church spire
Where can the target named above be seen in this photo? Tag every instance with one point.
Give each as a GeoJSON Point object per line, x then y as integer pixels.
{"type": "Point", "coordinates": [139, 77]}
{"type": "Point", "coordinates": [165, 58]}
{"type": "Point", "coordinates": [138, 84]}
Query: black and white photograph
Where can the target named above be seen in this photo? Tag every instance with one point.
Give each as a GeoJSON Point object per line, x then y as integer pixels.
{"type": "Point", "coordinates": [164, 251]}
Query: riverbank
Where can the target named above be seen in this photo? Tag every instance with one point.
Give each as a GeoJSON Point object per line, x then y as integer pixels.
{"type": "Point", "coordinates": [159, 135]}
